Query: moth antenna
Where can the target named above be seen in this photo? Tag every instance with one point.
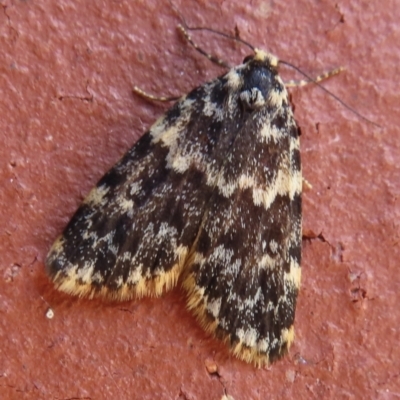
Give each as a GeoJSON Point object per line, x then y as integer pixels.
{"type": "Point", "coordinates": [225, 35]}
{"type": "Point", "coordinates": [212, 58]}
{"type": "Point", "coordinates": [184, 28]}
{"type": "Point", "coordinates": [188, 28]}
{"type": "Point", "coordinates": [325, 76]}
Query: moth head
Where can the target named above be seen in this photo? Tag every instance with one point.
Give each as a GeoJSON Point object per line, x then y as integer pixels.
{"type": "Point", "coordinates": [261, 83]}
{"type": "Point", "coordinates": [266, 58]}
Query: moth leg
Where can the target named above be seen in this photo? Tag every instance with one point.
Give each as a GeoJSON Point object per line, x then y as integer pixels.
{"type": "Point", "coordinates": [306, 184]}
{"type": "Point", "coordinates": [212, 58]}
{"type": "Point", "coordinates": [151, 97]}
{"type": "Point", "coordinates": [319, 78]}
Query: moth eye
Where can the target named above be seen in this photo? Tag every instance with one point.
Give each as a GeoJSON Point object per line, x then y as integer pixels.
{"type": "Point", "coordinates": [247, 59]}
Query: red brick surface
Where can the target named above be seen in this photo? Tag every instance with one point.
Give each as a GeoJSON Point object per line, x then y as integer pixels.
{"type": "Point", "coordinates": [67, 114]}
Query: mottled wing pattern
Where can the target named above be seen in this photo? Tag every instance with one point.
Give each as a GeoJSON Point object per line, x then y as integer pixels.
{"type": "Point", "coordinates": [245, 272]}
{"type": "Point", "coordinates": [131, 235]}
{"type": "Point", "coordinates": [211, 192]}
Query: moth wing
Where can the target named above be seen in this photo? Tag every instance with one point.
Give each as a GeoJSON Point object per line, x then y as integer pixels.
{"type": "Point", "coordinates": [244, 272]}
{"type": "Point", "coordinates": [131, 235]}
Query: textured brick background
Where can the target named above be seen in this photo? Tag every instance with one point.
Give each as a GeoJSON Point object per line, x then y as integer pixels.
{"type": "Point", "coordinates": [67, 114]}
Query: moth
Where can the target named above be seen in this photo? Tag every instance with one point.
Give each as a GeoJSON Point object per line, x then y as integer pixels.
{"type": "Point", "coordinates": [209, 197]}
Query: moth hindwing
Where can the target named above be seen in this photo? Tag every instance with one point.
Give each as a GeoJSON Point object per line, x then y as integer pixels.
{"type": "Point", "coordinates": [210, 196]}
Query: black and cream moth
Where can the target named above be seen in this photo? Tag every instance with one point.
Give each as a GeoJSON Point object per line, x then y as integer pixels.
{"type": "Point", "coordinates": [209, 197]}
